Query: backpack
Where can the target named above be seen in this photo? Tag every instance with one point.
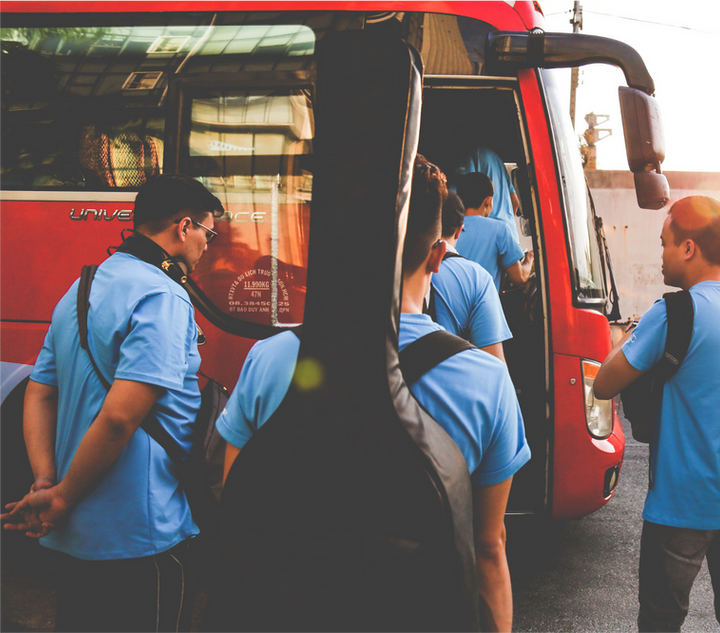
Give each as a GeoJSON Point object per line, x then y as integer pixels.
{"type": "Point", "coordinates": [642, 398]}
{"type": "Point", "coordinates": [200, 474]}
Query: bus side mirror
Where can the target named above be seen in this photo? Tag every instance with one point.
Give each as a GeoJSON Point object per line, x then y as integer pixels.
{"type": "Point", "coordinates": [645, 146]}
{"type": "Point", "coordinates": [652, 190]}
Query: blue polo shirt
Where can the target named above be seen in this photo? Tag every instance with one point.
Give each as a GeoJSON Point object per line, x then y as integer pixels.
{"type": "Point", "coordinates": [467, 302]}
{"type": "Point", "coordinates": [141, 328]}
{"type": "Point", "coordinates": [488, 242]}
{"type": "Point", "coordinates": [470, 395]}
{"type": "Point", "coordinates": [686, 449]}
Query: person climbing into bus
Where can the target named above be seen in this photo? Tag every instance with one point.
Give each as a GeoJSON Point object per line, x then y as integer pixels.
{"type": "Point", "coordinates": [488, 241]}
{"type": "Point", "coordinates": [469, 394]}
{"type": "Point", "coordinates": [463, 297]}
{"type": "Point", "coordinates": [486, 161]}
{"type": "Point", "coordinates": [106, 497]}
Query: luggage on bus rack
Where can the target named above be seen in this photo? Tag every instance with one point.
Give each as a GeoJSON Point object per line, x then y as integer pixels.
{"type": "Point", "coordinates": [350, 508]}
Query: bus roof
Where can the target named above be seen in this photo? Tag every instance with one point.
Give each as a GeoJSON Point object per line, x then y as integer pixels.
{"type": "Point", "coordinates": [512, 15]}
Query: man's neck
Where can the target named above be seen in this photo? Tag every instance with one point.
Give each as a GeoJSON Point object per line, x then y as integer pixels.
{"type": "Point", "coordinates": [708, 273]}
{"type": "Point", "coordinates": [415, 287]}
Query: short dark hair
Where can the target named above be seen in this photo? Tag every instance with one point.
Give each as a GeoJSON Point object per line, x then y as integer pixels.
{"type": "Point", "coordinates": [698, 218]}
{"type": "Point", "coordinates": [453, 214]}
{"type": "Point", "coordinates": [429, 192]}
{"type": "Point", "coordinates": [473, 188]}
{"type": "Point", "coordinates": [164, 196]}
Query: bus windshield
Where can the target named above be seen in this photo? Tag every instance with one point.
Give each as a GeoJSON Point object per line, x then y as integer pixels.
{"type": "Point", "coordinates": [584, 250]}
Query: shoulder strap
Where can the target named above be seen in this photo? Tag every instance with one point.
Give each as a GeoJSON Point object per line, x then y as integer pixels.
{"type": "Point", "coordinates": [150, 425]}
{"type": "Point", "coordinates": [83, 302]}
{"type": "Point", "coordinates": [83, 308]}
{"type": "Point", "coordinates": [430, 350]}
{"type": "Point", "coordinates": [429, 303]}
{"type": "Point", "coordinates": [680, 316]}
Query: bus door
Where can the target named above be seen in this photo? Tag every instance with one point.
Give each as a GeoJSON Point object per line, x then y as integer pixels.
{"type": "Point", "coordinates": [460, 115]}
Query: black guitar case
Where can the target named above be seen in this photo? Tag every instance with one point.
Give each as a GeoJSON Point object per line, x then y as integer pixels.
{"type": "Point", "coordinates": [350, 509]}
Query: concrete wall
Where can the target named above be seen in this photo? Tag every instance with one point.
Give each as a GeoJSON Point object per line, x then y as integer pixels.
{"type": "Point", "coordinates": [633, 234]}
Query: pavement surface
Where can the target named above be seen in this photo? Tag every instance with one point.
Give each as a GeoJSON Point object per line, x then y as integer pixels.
{"type": "Point", "coordinates": [575, 576]}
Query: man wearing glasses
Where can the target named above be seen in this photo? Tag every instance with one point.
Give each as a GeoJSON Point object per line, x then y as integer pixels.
{"type": "Point", "coordinates": [106, 497]}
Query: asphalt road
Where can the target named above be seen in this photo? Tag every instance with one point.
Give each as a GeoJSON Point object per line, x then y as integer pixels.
{"type": "Point", "coordinates": [578, 576]}
{"type": "Point", "coordinates": [581, 575]}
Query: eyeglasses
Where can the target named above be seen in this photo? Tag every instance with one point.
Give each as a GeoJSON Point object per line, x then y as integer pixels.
{"type": "Point", "coordinates": [210, 235]}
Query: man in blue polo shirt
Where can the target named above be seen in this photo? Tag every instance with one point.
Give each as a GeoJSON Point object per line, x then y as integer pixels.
{"type": "Point", "coordinates": [106, 496]}
{"type": "Point", "coordinates": [489, 241]}
{"type": "Point", "coordinates": [464, 299]}
{"type": "Point", "coordinates": [682, 508]}
{"type": "Point", "coordinates": [486, 161]}
{"type": "Point", "coordinates": [470, 395]}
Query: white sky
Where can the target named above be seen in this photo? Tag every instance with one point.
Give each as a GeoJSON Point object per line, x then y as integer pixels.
{"type": "Point", "coordinates": [680, 44]}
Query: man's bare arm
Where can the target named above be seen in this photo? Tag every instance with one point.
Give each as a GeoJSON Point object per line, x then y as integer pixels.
{"type": "Point", "coordinates": [496, 349]}
{"type": "Point", "coordinates": [39, 428]}
{"type": "Point", "coordinates": [231, 454]}
{"type": "Point", "coordinates": [125, 407]}
{"type": "Point", "coordinates": [489, 504]}
{"type": "Point", "coordinates": [520, 270]}
{"type": "Point", "coordinates": [616, 372]}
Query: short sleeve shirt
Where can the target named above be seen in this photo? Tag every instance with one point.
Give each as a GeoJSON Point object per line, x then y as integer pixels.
{"type": "Point", "coordinates": [488, 242]}
{"type": "Point", "coordinates": [686, 449]}
{"type": "Point", "coordinates": [485, 422]}
{"type": "Point", "coordinates": [141, 328]}
{"type": "Point", "coordinates": [467, 302]}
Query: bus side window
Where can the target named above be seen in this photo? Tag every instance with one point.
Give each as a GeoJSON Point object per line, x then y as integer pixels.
{"type": "Point", "coordinates": [122, 160]}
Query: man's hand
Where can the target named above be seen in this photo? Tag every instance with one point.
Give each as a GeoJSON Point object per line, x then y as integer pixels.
{"type": "Point", "coordinates": [38, 512]}
{"type": "Point", "coordinates": [28, 519]}
{"type": "Point", "coordinates": [616, 372]}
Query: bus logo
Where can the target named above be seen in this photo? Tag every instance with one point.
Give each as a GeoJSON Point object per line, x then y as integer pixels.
{"type": "Point", "coordinates": [124, 215]}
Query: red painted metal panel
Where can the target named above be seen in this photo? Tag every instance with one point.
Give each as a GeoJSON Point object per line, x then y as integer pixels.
{"type": "Point", "coordinates": [21, 342]}
{"type": "Point", "coordinates": [43, 251]}
{"type": "Point", "coordinates": [580, 461]}
{"type": "Point", "coordinates": [520, 16]}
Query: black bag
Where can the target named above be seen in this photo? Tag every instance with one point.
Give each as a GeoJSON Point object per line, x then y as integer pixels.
{"type": "Point", "coordinates": [200, 474]}
{"type": "Point", "coordinates": [642, 398]}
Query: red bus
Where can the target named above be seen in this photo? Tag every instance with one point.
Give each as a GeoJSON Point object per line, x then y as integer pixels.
{"type": "Point", "coordinates": [97, 97]}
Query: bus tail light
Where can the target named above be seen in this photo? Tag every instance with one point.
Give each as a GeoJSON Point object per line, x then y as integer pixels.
{"type": "Point", "coordinates": [598, 413]}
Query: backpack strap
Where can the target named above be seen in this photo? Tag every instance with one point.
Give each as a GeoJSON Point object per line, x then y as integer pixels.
{"type": "Point", "coordinates": [83, 309]}
{"type": "Point", "coordinates": [430, 350]}
{"type": "Point", "coordinates": [150, 425]}
{"type": "Point", "coordinates": [429, 303]}
{"type": "Point", "coordinates": [680, 316]}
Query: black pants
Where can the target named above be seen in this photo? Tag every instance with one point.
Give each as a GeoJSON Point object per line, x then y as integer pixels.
{"type": "Point", "coordinates": [670, 559]}
{"type": "Point", "coordinates": [136, 594]}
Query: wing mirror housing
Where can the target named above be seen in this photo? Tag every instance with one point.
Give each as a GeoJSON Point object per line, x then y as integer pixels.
{"type": "Point", "coordinates": [508, 51]}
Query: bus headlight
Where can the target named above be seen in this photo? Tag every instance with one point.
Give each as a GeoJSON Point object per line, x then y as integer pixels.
{"type": "Point", "coordinates": [598, 413]}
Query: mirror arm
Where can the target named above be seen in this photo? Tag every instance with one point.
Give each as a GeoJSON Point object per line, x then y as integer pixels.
{"type": "Point", "coordinates": [537, 49]}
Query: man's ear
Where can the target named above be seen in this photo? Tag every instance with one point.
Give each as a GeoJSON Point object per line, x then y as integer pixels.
{"type": "Point", "coordinates": [182, 228]}
{"type": "Point", "coordinates": [456, 235]}
{"type": "Point", "coordinates": [436, 256]}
